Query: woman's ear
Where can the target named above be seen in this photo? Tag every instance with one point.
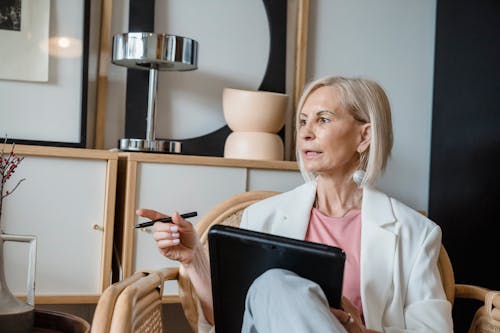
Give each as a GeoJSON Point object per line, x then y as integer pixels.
{"type": "Point", "coordinates": [366, 135]}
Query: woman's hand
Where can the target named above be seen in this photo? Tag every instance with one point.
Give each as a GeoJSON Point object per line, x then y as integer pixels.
{"type": "Point", "coordinates": [350, 317]}
{"type": "Point", "coordinates": [177, 240]}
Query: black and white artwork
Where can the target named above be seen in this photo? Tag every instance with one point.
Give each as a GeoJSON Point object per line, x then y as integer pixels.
{"type": "Point", "coordinates": [10, 15]}
{"type": "Point", "coordinates": [40, 82]}
{"type": "Point", "coordinates": [24, 38]}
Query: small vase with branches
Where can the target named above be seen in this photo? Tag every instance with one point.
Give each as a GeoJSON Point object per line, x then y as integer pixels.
{"type": "Point", "coordinates": [15, 315]}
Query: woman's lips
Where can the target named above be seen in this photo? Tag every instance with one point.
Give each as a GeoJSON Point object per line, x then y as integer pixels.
{"type": "Point", "coordinates": [311, 153]}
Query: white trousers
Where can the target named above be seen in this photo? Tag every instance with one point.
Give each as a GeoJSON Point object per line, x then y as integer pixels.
{"type": "Point", "coordinates": [281, 301]}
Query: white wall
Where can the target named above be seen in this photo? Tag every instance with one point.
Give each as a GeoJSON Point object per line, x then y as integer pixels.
{"type": "Point", "coordinates": [390, 41]}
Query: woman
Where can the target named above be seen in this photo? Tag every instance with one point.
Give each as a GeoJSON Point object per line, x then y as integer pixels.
{"type": "Point", "coordinates": [391, 281]}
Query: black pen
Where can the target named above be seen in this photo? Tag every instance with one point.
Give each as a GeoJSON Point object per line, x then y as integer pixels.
{"type": "Point", "coordinates": [165, 220]}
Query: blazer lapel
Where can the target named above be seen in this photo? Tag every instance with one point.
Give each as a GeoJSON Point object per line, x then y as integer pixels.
{"type": "Point", "coordinates": [378, 246]}
{"type": "Point", "coordinates": [292, 214]}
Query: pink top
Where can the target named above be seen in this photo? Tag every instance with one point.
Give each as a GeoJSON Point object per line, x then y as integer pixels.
{"type": "Point", "coordinates": [343, 232]}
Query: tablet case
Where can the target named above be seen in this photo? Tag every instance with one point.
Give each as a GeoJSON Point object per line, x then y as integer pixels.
{"type": "Point", "coordinates": [239, 256]}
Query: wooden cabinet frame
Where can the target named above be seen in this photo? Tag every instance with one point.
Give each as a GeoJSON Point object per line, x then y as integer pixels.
{"type": "Point", "coordinates": [107, 226]}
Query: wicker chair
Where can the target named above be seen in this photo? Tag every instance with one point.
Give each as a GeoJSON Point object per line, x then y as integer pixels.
{"type": "Point", "coordinates": [133, 304]}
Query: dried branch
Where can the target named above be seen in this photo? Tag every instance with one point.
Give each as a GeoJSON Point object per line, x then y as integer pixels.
{"type": "Point", "coordinates": [7, 193]}
{"type": "Point", "coordinates": [3, 147]}
{"type": "Point", "coordinates": [8, 165]}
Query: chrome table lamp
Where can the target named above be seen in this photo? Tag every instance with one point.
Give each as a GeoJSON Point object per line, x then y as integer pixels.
{"type": "Point", "coordinates": [154, 52]}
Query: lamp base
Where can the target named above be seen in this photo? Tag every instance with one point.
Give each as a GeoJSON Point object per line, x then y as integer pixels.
{"type": "Point", "coordinates": [143, 145]}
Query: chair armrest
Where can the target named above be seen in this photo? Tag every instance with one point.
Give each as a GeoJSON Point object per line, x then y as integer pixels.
{"type": "Point", "coordinates": [470, 292]}
{"type": "Point", "coordinates": [482, 295]}
{"type": "Point", "coordinates": [101, 321]}
{"type": "Point", "coordinates": [169, 273]}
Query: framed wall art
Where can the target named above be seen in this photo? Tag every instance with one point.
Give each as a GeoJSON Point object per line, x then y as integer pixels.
{"type": "Point", "coordinates": [44, 71]}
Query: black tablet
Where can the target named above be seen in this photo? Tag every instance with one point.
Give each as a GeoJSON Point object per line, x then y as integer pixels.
{"type": "Point", "coordinates": [239, 256]}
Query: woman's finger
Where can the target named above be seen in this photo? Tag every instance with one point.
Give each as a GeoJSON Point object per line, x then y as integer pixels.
{"type": "Point", "coordinates": [344, 317]}
{"type": "Point", "coordinates": [180, 221]}
{"type": "Point", "coordinates": [150, 214]}
{"type": "Point", "coordinates": [166, 243]}
{"type": "Point", "coordinates": [166, 227]}
{"type": "Point", "coordinates": [340, 314]}
{"type": "Point", "coordinates": [160, 235]}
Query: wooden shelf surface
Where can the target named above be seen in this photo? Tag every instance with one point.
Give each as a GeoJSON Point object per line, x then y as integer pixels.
{"type": "Point", "coordinates": [208, 161]}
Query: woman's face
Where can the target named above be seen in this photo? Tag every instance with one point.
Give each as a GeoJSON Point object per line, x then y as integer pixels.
{"type": "Point", "coordinates": [328, 137]}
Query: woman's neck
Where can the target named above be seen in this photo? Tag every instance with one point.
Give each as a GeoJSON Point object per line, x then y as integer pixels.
{"type": "Point", "coordinates": [336, 197]}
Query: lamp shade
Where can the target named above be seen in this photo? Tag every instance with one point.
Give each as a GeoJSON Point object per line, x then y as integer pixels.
{"type": "Point", "coordinates": [146, 50]}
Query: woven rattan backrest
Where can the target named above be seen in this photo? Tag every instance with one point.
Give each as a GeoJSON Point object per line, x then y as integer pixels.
{"type": "Point", "coordinates": [138, 308]}
{"type": "Point", "coordinates": [227, 212]}
{"type": "Point", "coordinates": [103, 314]}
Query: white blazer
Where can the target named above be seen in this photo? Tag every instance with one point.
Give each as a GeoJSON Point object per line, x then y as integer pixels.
{"type": "Point", "coordinates": [401, 289]}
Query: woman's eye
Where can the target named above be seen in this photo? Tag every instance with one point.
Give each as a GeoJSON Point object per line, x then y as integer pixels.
{"type": "Point", "coordinates": [324, 120]}
{"type": "Point", "coordinates": [302, 122]}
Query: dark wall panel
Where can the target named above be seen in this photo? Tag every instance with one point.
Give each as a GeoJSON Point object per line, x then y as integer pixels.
{"type": "Point", "coordinates": [141, 19]}
{"type": "Point", "coordinates": [465, 153]}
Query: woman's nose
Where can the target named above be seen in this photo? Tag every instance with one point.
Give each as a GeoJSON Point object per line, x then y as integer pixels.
{"type": "Point", "coordinates": [306, 132]}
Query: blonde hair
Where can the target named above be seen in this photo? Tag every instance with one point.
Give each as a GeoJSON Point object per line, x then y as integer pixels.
{"type": "Point", "coordinates": [367, 102]}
